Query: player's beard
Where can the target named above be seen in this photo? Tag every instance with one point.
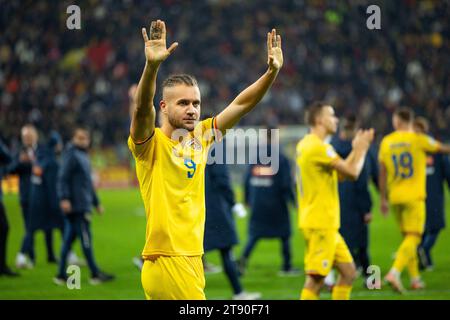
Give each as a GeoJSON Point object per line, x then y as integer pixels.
{"type": "Point", "coordinates": [179, 124]}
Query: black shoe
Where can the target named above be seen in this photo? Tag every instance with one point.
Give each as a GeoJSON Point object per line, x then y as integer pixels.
{"type": "Point", "coordinates": [60, 280]}
{"type": "Point", "coordinates": [7, 272]}
{"type": "Point", "coordinates": [100, 278]}
{"type": "Point", "coordinates": [52, 261]}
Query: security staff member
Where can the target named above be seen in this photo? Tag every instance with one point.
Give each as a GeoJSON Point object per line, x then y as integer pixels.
{"type": "Point", "coordinates": [77, 196]}
{"type": "Point", "coordinates": [268, 193]}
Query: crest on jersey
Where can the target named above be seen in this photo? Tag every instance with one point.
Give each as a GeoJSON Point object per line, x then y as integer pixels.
{"type": "Point", "coordinates": [193, 144]}
{"type": "Point", "coordinates": [330, 152]}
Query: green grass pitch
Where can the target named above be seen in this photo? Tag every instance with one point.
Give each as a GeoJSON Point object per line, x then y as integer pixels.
{"type": "Point", "coordinates": [119, 235]}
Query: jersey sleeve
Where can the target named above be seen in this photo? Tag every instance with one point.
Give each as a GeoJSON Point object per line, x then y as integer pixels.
{"type": "Point", "coordinates": [142, 150]}
{"type": "Point", "coordinates": [428, 144]}
{"type": "Point", "coordinates": [207, 131]}
{"type": "Point", "coordinates": [325, 155]}
{"type": "Point", "coordinates": [383, 152]}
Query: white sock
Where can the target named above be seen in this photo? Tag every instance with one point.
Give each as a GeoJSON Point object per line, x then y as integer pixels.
{"type": "Point", "coordinates": [395, 272]}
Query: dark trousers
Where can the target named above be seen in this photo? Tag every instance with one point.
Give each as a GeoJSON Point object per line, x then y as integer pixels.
{"type": "Point", "coordinates": [26, 248]}
{"type": "Point", "coordinates": [428, 242]}
{"type": "Point", "coordinates": [3, 237]}
{"type": "Point", "coordinates": [76, 225]}
{"type": "Point", "coordinates": [28, 245]}
{"type": "Point", "coordinates": [285, 249]}
{"type": "Point", "coordinates": [361, 258]}
{"type": "Point", "coordinates": [229, 266]}
{"type": "Point", "coordinates": [28, 240]}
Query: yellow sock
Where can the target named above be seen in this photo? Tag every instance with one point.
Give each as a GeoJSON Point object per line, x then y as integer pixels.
{"type": "Point", "coordinates": [405, 253]}
{"type": "Point", "coordinates": [341, 292]}
{"type": "Point", "coordinates": [413, 264]}
{"type": "Point", "coordinates": [308, 294]}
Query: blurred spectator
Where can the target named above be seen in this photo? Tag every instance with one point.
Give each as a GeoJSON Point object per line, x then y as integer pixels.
{"type": "Point", "coordinates": [5, 158]}
{"type": "Point", "coordinates": [22, 165]}
{"type": "Point", "coordinates": [55, 77]}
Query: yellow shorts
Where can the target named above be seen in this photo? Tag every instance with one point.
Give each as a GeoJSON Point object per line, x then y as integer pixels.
{"type": "Point", "coordinates": [410, 216]}
{"type": "Point", "coordinates": [324, 248]}
{"type": "Point", "coordinates": [173, 278]}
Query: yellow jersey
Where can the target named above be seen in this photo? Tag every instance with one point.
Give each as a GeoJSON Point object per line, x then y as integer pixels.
{"type": "Point", "coordinates": [403, 153]}
{"type": "Point", "coordinates": [317, 184]}
{"type": "Point", "coordinates": [172, 184]}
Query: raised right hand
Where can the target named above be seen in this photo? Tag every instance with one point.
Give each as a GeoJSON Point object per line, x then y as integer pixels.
{"type": "Point", "coordinates": [155, 47]}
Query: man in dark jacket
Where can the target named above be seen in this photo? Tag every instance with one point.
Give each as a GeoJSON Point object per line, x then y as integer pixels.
{"type": "Point", "coordinates": [354, 197]}
{"type": "Point", "coordinates": [77, 196]}
{"type": "Point", "coordinates": [44, 211]}
{"type": "Point", "coordinates": [220, 229]}
{"type": "Point", "coordinates": [5, 158]}
{"type": "Point", "coordinates": [438, 172]}
{"type": "Point", "coordinates": [268, 193]}
{"type": "Point", "coordinates": [22, 166]}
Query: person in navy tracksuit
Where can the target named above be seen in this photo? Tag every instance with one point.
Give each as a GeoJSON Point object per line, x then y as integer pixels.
{"type": "Point", "coordinates": [5, 159]}
{"type": "Point", "coordinates": [438, 172]}
{"type": "Point", "coordinates": [268, 193]}
{"type": "Point", "coordinates": [354, 197]}
{"type": "Point", "coordinates": [220, 228]}
{"type": "Point", "coordinates": [44, 211]}
{"type": "Point", "coordinates": [77, 197]}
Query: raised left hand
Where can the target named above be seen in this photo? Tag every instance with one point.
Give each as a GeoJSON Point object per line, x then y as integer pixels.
{"type": "Point", "coordinates": [274, 52]}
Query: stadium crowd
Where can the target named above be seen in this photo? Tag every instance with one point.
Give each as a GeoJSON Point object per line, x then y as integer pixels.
{"type": "Point", "coordinates": [57, 79]}
{"type": "Point", "coordinates": [54, 77]}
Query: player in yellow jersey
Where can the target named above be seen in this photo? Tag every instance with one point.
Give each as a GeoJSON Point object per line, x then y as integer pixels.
{"type": "Point", "coordinates": [318, 169]}
{"type": "Point", "coordinates": [402, 157]}
{"type": "Point", "coordinates": [170, 165]}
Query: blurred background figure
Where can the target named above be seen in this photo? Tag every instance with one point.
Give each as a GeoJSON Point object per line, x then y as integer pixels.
{"type": "Point", "coordinates": [5, 159]}
{"type": "Point", "coordinates": [44, 211]}
{"type": "Point", "coordinates": [268, 194]}
{"type": "Point", "coordinates": [54, 77]}
{"type": "Point", "coordinates": [357, 69]}
{"type": "Point", "coordinates": [22, 166]}
{"type": "Point", "coordinates": [354, 196]}
{"type": "Point", "coordinates": [77, 197]}
{"type": "Point", "coordinates": [220, 228]}
{"type": "Point", "coordinates": [438, 172]}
